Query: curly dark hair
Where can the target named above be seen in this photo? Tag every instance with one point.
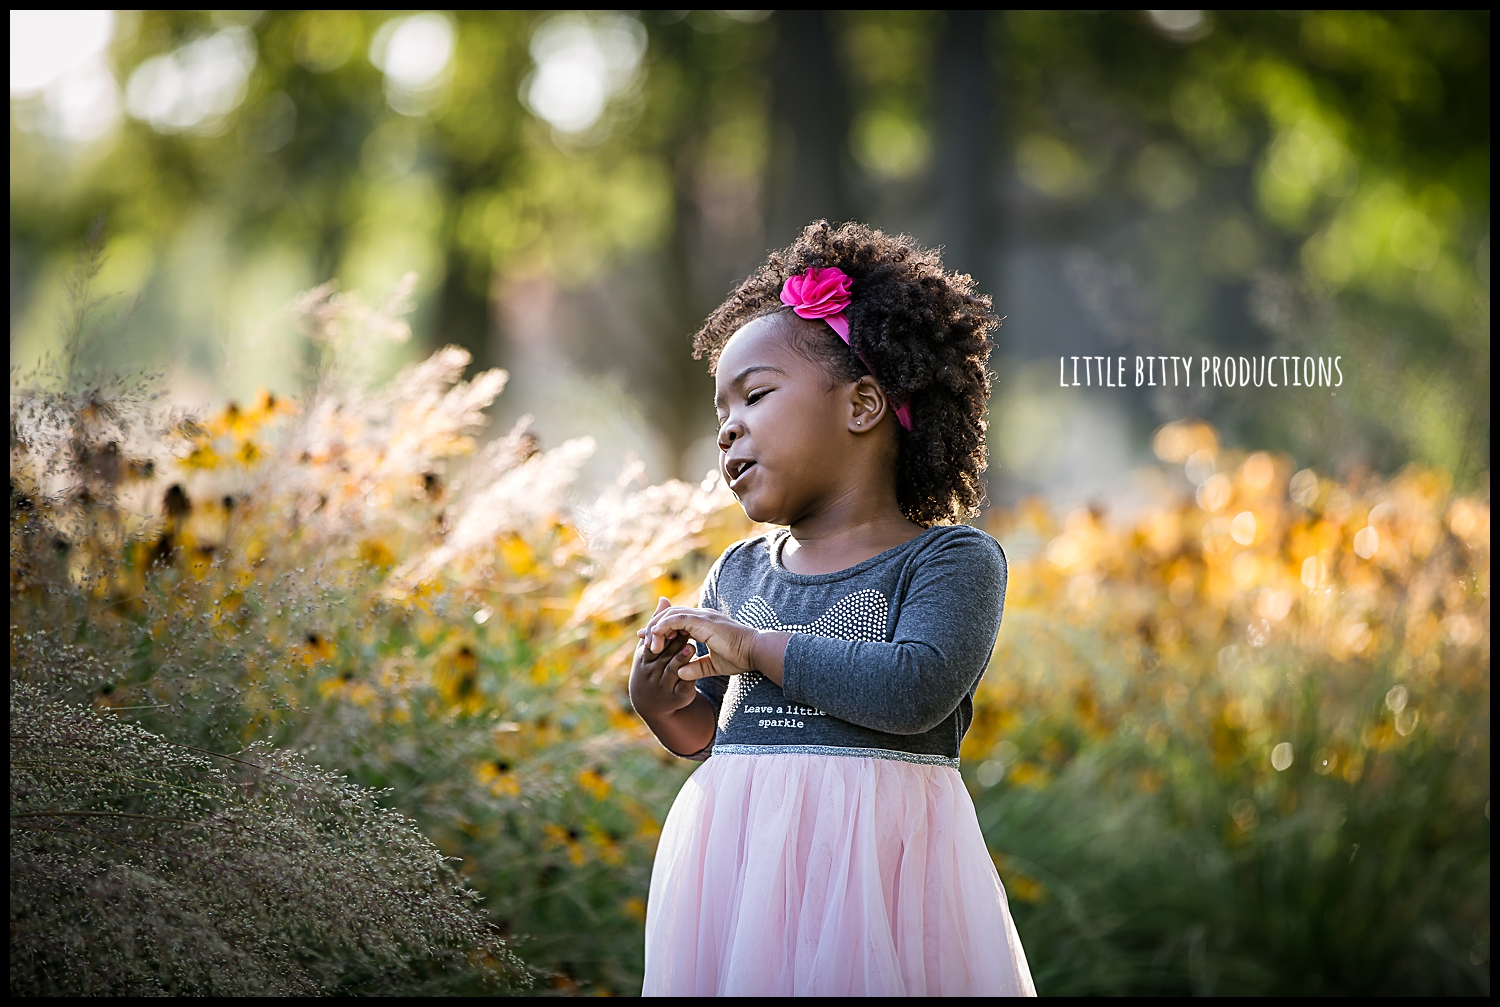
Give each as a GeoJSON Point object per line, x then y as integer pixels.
{"type": "Point", "coordinates": [925, 332]}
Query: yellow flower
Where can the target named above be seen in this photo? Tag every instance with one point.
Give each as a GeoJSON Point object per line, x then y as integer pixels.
{"type": "Point", "coordinates": [568, 840]}
{"type": "Point", "coordinates": [670, 584]}
{"type": "Point", "coordinates": [596, 785]}
{"type": "Point", "coordinates": [377, 554]}
{"type": "Point", "coordinates": [457, 679]}
{"type": "Point", "coordinates": [1018, 884]}
{"type": "Point", "coordinates": [608, 846]}
{"type": "Point", "coordinates": [497, 776]}
{"type": "Point", "coordinates": [269, 406]}
{"type": "Point", "coordinates": [1027, 774]}
{"type": "Point", "coordinates": [203, 456]}
{"type": "Point", "coordinates": [517, 555]}
{"type": "Point", "coordinates": [314, 648]}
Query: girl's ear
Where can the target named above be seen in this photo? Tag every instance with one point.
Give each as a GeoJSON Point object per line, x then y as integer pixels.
{"type": "Point", "coordinates": [867, 405]}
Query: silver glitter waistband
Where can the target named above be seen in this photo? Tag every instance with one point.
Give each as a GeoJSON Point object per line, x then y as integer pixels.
{"type": "Point", "coordinates": [846, 753]}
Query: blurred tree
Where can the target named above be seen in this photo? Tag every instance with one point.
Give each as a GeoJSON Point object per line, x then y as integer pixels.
{"type": "Point", "coordinates": [965, 133]}
{"type": "Point", "coordinates": [1248, 181]}
{"type": "Point", "coordinates": [1264, 182]}
{"type": "Point", "coordinates": [810, 125]}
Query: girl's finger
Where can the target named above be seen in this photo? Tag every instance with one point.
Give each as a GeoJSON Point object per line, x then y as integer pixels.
{"type": "Point", "coordinates": [666, 652]}
{"type": "Point", "coordinates": [661, 629]}
{"type": "Point", "coordinates": [681, 657]}
{"type": "Point", "coordinates": [662, 604]}
{"type": "Point", "coordinates": [687, 621]}
{"type": "Point", "coordinates": [659, 666]}
{"type": "Point", "coordinates": [664, 615]}
{"type": "Point", "coordinates": [699, 667]}
{"type": "Point", "coordinates": [651, 635]}
{"type": "Point", "coordinates": [678, 619]}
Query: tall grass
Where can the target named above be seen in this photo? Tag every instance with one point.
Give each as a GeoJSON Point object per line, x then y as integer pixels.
{"type": "Point", "coordinates": [1238, 744]}
{"type": "Point", "coordinates": [352, 581]}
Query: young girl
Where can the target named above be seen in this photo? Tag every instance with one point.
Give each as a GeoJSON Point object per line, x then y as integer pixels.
{"type": "Point", "coordinates": [828, 846]}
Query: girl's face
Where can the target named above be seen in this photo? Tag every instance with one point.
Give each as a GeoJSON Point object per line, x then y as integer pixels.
{"type": "Point", "coordinates": [785, 424]}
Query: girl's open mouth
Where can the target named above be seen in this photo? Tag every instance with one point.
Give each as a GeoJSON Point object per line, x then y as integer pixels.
{"type": "Point", "coordinates": [736, 468]}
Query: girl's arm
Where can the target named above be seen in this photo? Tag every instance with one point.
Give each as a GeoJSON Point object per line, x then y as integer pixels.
{"type": "Point", "coordinates": [942, 641]}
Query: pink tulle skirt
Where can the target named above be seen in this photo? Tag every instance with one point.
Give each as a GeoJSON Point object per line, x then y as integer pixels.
{"type": "Point", "coordinates": [815, 875]}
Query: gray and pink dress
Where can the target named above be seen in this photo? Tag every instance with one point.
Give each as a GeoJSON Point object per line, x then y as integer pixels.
{"type": "Point", "coordinates": [827, 847]}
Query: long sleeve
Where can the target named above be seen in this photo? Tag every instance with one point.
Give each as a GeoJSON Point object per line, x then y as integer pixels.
{"type": "Point", "coordinates": [945, 632]}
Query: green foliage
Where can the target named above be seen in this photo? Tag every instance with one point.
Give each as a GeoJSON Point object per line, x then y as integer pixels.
{"type": "Point", "coordinates": [1379, 888]}
{"type": "Point", "coordinates": [1246, 755]}
{"type": "Point", "coordinates": [1313, 183]}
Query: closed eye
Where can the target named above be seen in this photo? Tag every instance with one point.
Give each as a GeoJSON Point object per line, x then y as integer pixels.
{"type": "Point", "coordinates": [756, 396]}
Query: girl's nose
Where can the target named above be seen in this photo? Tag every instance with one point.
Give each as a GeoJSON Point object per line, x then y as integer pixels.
{"type": "Point", "coordinates": [729, 433]}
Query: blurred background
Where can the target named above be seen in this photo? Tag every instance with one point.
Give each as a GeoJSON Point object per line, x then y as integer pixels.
{"type": "Point", "coordinates": [575, 191]}
{"type": "Point", "coordinates": [1234, 735]}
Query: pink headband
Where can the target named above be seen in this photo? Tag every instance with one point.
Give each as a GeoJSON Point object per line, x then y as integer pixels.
{"type": "Point", "coordinates": [824, 293]}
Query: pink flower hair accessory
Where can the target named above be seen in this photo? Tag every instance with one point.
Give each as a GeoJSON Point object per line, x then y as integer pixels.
{"type": "Point", "coordinates": [824, 294]}
{"type": "Point", "coordinates": [820, 293]}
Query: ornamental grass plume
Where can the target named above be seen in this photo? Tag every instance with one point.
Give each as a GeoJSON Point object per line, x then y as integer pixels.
{"type": "Point", "coordinates": [157, 844]}
{"type": "Point", "coordinates": [348, 577]}
{"type": "Point", "coordinates": [141, 867]}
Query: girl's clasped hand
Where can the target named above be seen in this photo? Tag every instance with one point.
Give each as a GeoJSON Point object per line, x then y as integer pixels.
{"type": "Point", "coordinates": [731, 645]}
{"type": "Point", "coordinates": [667, 665]}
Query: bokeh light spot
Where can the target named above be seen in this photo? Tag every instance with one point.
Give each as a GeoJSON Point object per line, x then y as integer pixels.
{"type": "Point", "coordinates": [413, 51]}
{"type": "Point", "coordinates": [60, 55]}
{"type": "Point", "coordinates": [1181, 25]}
{"type": "Point", "coordinates": [327, 39]}
{"type": "Point", "coordinates": [195, 87]}
{"type": "Point", "coordinates": [1395, 699]}
{"type": "Point", "coordinates": [1052, 167]}
{"type": "Point", "coordinates": [1304, 487]}
{"type": "Point", "coordinates": [1258, 633]}
{"type": "Point", "coordinates": [46, 45]}
{"type": "Point", "coordinates": [1312, 572]}
{"type": "Point", "coordinates": [581, 64]}
{"type": "Point", "coordinates": [1176, 443]}
{"type": "Point", "coordinates": [1258, 471]}
{"type": "Point", "coordinates": [1215, 493]}
{"type": "Point", "coordinates": [890, 144]}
